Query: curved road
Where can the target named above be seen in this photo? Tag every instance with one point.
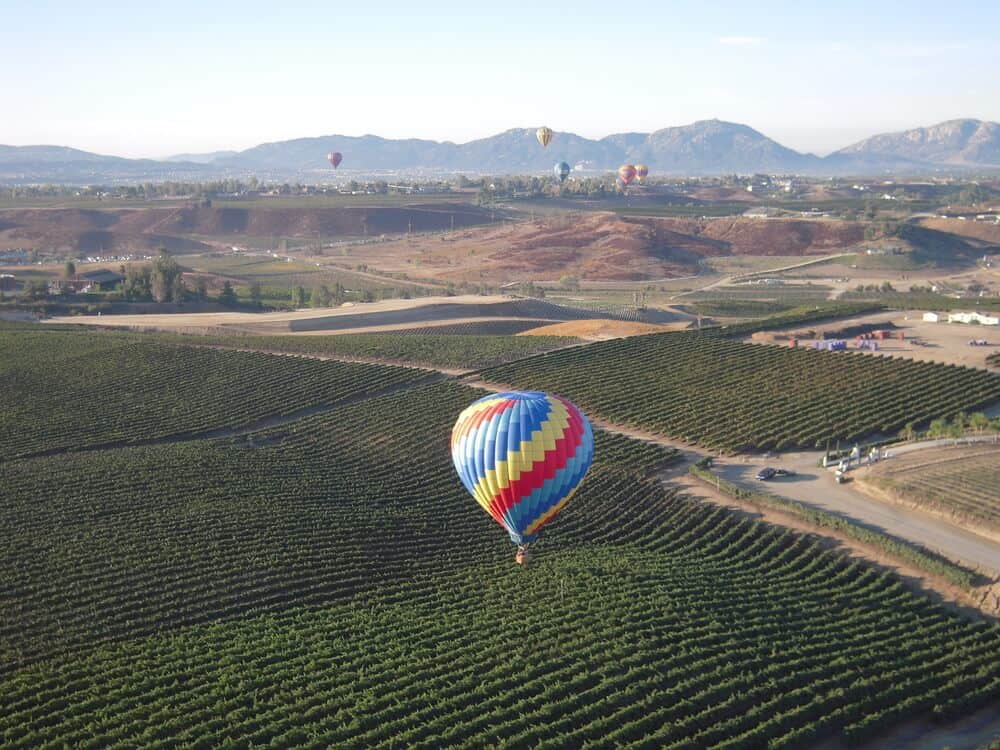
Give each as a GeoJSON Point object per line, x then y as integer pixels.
{"type": "Point", "coordinates": [815, 486]}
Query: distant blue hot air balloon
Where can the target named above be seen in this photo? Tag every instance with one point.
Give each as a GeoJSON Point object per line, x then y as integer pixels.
{"type": "Point", "coordinates": [562, 171]}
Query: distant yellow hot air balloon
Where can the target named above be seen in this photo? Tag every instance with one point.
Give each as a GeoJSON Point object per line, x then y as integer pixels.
{"type": "Point", "coordinates": [544, 135]}
{"type": "Point", "coordinates": [641, 170]}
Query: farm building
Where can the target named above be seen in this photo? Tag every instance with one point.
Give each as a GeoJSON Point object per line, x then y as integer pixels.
{"type": "Point", "coordinates": [932, 317]}
{"type": "Point", "coordinates": [104, 280]}
{"type": "Point", "coordinates": [90, 281]}
{"type": "Point", "coordinates": [8, 282]}
{"type": "Point", "coordinates": [974, 317]}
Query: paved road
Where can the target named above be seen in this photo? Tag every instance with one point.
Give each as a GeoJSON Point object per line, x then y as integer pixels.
{"type": "Point", "coordinates": [816, 487]}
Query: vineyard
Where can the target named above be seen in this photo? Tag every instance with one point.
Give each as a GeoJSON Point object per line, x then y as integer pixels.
{"type": "Point", "coordinates": [731, 396]}
{"type": "Point", "coordinates": [328, 583]}
{"type": "Point", "coordinates": [449, 350]}
{"type": "Point", "coordinates": [71, 390]}
{"type": "Point", "coordinates": [962, 483]}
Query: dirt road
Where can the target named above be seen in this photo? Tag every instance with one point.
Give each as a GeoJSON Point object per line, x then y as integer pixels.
{"type": "Point", "coordinates": [815, 486]}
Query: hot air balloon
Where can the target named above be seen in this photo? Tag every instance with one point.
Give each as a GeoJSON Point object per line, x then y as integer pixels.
{"type": "Point", "coordinates": [562, 171]}
{"type": "Point", "coordinates": [522, 456]}
{"type": "Point", "coordinates": [334, 157]}
{"type": "Point", "coordinates": [641, 170]}
{"type": "Point", "coordinates": [544, 136]}
{"type": "Point", "coordinates": [626, 173]}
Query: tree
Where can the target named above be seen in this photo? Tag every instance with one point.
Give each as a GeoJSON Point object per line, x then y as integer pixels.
{"type": "Point", "coordinates": [255, 292]}
{"type": "Point", "coordinates": [163, 277]}
{"type": "Point", "coordinates": [979, 422]}
{"type": "Point", "coordinates": [178, 289]}
{"type": "Point", "coordinates": [321, 296]}
{"type": "Point", "coordinates": [228, 295]}
{"type": "Point", "coordinates": [137, 286]}
{"type": "Point", "coordinates": [299, 297]}
{"type": "Point", "coordinates": [937, 428]}
{"type": "Point", "coordinates": [908, 432]}
{"type": "Point", "coordinates": [572, 283]}
{"type": "Point", "coordinates": [69, 270]}
{"type": "Point", "coordinates": [33, 290]}
{"type": "Point", "coordinates": [201, 289]}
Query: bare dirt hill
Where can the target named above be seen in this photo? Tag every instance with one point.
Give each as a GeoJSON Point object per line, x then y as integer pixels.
{"type": "Point", "coordinates": [984, 232]}
{"type": "Point", "coordinates": [181, 228]}
{"type": "Point", "coordinates": [760, 236]}
{"type": "Point", "coordinates": [604, 247]}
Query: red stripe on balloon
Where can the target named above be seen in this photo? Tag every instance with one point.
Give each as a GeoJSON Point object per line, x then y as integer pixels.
{"type": "Point", "coordinates": [543, 470]}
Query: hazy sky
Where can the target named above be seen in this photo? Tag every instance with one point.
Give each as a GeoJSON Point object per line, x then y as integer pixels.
{"type": "Point", "coordinates": [151, 79]}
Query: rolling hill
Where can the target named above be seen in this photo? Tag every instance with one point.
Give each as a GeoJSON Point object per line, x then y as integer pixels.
{"type": "Point", "coordinates": [703, 147]}
{"type": "Point", "coordinates": [962, 142]}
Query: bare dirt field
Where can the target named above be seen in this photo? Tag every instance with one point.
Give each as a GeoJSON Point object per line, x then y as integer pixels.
{"type": "Point", "coordinates": [600, 330]}
{"type": "Point", "coordinates": [384, 316]}
{"type": "Point", "coordinates": [930, 342]}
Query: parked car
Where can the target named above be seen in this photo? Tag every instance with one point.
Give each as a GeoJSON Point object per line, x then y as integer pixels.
{"type": "Point", "coordinates": [771, 473]}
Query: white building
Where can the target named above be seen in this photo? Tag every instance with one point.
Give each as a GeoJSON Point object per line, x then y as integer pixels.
{"type": "Point", "coordinates": [931, 317]}
{"type": "Point", "coordinates": [963, 317]}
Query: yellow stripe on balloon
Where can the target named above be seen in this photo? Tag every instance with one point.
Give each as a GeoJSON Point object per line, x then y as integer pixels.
{"type": "Point", "coordinates": [536, 524]}
{"type": "Point", "coordinates": [530, 452]}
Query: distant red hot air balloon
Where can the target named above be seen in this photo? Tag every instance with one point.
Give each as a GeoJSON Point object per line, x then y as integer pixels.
{"type": "Point", "coordinates": [626, 173]}
{"type": "Point", "coordinates": [335, 157]}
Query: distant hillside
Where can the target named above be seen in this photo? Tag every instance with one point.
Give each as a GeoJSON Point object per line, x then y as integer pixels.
{"type": "Point", "coordinates": [958, 142]}
{"type": "Point", "coordinates": [201, 158]}
{"type": "Point", "coordinates": [704, 147]}
{"type": "Point", "coordinates": [180, 229]}
{"type": "Point", "coordinates": [713, 146]}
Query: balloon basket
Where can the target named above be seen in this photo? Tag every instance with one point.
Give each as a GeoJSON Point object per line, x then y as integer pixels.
{"type": "Point", "coordinates": [523, 555]}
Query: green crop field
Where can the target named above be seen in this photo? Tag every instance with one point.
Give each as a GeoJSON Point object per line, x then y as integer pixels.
{"type": "Point", "coordinates": [960, 482]}
{"type": "Point", "coordinates": [277, 272]}
{"type": "Point", "coordinates": [459, 351]}
{"type": "Point", "coordinates": [328, 583]}
{"type": "Point", "coordinates": [731, 396]}
{"type": "Point", "coordinates": [795, 293]}
{"type": "Point", "coordinates": [72, 389]}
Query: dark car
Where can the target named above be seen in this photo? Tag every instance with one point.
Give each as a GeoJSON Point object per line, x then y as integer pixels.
{"type": "Point", "coordinates": [784, 473]}
{"type": "Point", "coordinates": [765, 474]}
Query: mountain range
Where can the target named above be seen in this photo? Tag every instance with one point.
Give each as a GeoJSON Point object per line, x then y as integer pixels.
{"type": "Point", "coordinates": [704, 147]}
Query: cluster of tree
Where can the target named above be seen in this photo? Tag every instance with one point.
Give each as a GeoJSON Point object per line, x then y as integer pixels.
{"type": "Point", "coordinates": [159, 281]}
{"type": "Point", "coordinates": [216, 188]}
{"type": "Point", "coordinates": [957, 427]}
{"type": "Point", "coordinates": [885, 286]}
{"type": "Point", "coordinates": [492, 189]}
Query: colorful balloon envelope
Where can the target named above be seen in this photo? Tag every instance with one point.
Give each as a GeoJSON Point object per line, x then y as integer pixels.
{"type": "Point", "coordinates": [522, 456]}
{"type": "Point", "coordinates": [641, 171]}
{"type": "Point", "coordinates": [626, 173]}
{"type": "Point", "coordinates": [334, 157]}
{"type": "Point", "coordinates": [544, 136]}
{"type": "Point", "coordinates": [562, 171]}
